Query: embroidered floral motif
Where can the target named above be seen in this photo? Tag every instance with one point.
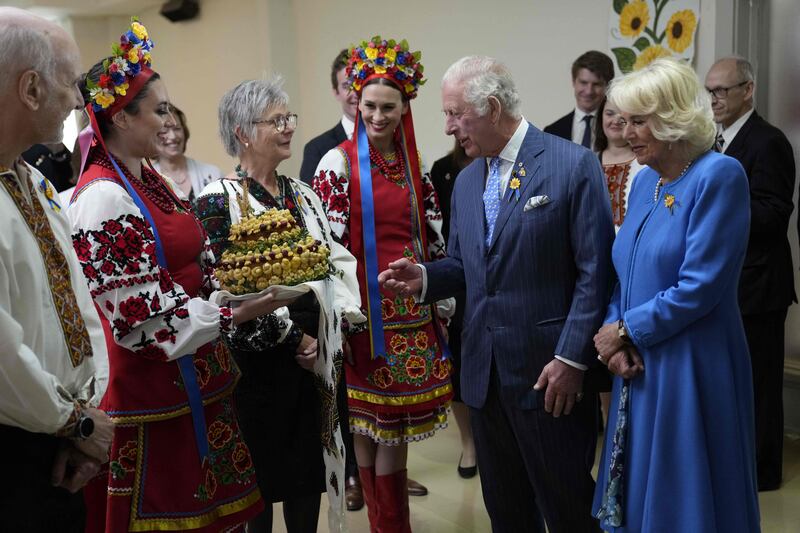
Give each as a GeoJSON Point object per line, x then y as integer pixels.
{"type": "Point", "coordinates": [229, 459]}
{"type": "Point", "coordinates": [617, 179]}
{"type": "Point", "coordinates": [125, 462]}
{"type": "Point", "coordinates": [411, 359]}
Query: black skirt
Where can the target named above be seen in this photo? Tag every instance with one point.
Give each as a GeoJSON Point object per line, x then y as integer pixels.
{"type": "Point", "coordinates": [278, 411]}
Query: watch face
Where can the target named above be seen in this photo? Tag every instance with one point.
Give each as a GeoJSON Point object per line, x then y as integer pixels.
{"type": "Point", "coordinates": [86, 427]}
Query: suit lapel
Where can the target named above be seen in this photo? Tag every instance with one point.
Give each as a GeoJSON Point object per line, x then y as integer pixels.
{"type": "Point", "coordinates": [739, 143]}
{"type": "Point", "coordinates": [527, 160]}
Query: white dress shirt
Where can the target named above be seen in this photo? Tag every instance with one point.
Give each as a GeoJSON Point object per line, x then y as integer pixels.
{"type": "Point", "coordinates": [349, 126]}
{"type": "Point", "coordinates": [37, 378]}
{"type": "Point", "coordinates": [729, 133]}
{"type": "Point", "coordinates": [579, 126]}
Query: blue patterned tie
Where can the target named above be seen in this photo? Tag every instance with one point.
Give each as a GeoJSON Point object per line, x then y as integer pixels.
{"type": "Point", "coordinates": [491, 198]}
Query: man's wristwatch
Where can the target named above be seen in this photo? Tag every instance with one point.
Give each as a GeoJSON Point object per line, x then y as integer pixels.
{"type": "Point", "coordinates": [84, 427]}
{"type": "Point", "coordinates": [623, 333]}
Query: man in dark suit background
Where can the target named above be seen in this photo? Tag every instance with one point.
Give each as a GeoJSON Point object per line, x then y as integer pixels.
{"type": "Point", "coordinates": [591, 74]}
{"type": "Point", "coordinates": [530, 241]}
{"type": "Point", "coordinates": [343, 130]}
{"type": "Point", "coordinates": [766, 286]}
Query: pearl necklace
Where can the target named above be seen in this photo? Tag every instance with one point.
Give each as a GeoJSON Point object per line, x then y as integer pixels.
{"type": "Point", "coordinates": [660, 182]}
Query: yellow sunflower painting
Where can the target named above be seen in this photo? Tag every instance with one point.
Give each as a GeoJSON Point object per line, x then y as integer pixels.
{"type": "Point", "coordinates": [650, 54]}
{"type": "Point", "coordinates": [634, 18]}
{"type": "Point", "coordinates": [641, 31]}
{"type": "Point", "coordinates": [680, 30]}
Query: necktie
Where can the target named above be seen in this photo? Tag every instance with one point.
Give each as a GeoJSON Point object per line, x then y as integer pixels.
{"type": "Point", "coordinates": [587, 132]}
{"type": "Point", "coordinates": [720, 144]}
{"type": "Point", "coordinates": [491, 198]}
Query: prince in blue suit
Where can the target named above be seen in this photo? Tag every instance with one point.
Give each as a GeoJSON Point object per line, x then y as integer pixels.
{"type": "Point", "coordinates": [530, 241]}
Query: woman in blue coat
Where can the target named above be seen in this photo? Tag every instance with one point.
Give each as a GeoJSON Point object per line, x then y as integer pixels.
{"type": "Point", "coordinates": [679, 452]}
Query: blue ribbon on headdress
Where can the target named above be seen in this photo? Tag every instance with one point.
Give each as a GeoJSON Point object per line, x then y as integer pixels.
{"type": "Point", "coordinates": [374, 310]}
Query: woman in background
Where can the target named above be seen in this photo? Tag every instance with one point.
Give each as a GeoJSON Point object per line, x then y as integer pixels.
{"type": "Point", "coordinates": [188, 174]}
{"type": "Point", "coordinates": [619, 162]}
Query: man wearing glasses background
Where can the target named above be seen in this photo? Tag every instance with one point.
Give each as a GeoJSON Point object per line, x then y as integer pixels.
{"type": "Point", "coordinates": [766, 286]}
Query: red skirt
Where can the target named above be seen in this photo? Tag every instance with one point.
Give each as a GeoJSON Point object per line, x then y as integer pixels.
{"type": "Point", "coordinates": [155, 482]}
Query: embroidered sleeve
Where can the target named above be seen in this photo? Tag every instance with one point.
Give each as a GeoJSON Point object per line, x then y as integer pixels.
{"type": "Point", "coordinates": [433, 217]}
{"type": "Point", "coordinates": [332, 185]}
{"type": "Point", "coordinates": [148, 312]}
{"type": "Point", "coordinates": [265, 332]}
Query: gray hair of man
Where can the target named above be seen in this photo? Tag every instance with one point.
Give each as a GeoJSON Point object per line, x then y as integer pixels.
{"type": "Point", "coordinates": [23, 47]}
{"type": "Point", "coordinates": [243, 105]}
{"type": "Point", "coordinates": [482, 77]}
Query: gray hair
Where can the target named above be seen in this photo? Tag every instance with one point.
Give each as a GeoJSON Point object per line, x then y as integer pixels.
{"type": "Point", "coordinates": [244, 104]}
{"type": "Point", "coordinates": [483, 77]}
{"type": "Point", "coordinates": [24, 47]}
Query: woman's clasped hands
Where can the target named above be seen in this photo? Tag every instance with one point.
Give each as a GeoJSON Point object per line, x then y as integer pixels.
{"type": "Point", "coordinates": [621, 359]}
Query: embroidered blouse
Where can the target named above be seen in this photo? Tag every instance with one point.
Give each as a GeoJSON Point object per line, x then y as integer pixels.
{"type": "Point", "coordinates": [148, 311]}
{"type": "Point", "coordinates": [46, 362]}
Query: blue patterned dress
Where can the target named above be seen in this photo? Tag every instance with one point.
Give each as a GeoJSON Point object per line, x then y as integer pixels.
{"type": "Point", "coordinates": [688, 462]}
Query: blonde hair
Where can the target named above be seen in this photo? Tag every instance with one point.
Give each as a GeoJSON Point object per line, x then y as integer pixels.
{"type": "Point", "coordinates": [671, 96]}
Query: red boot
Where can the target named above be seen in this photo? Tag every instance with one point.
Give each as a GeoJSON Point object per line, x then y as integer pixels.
{"type": "Point", "coordinates": [367, 475]}
{"type": "Point", "coordinates": [391, 491]}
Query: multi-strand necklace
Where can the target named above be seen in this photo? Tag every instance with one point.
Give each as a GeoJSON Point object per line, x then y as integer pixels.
{"type": "Point", "coordinates": [660, 182]}
{"type": "Point", "coordinates": [394, 171]}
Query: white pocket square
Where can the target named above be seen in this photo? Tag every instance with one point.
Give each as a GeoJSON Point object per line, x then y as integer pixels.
{"type": "Point", "coordinates": [536, 201]}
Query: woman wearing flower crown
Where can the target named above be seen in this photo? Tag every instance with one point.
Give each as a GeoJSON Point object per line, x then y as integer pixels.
{"type": "Point", "coordinates": [381, 204]}
{"type": "Point", "coordinates": [286, 397]}
{"type": "Point", "coordinates": [178, 461]}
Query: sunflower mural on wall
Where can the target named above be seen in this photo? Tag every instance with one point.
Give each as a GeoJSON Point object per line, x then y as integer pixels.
{"type": "Point", "coordinates": [641, 31]}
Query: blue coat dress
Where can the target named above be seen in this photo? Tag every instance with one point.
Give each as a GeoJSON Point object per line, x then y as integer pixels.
{"type": "Point", "coordinates": [689, 462]}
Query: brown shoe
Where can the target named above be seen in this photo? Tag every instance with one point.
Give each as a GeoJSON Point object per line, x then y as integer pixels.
{"type": "Point", "coordinates": [353, 496]}
{"type": "Point", "coordinates": [416, 488]}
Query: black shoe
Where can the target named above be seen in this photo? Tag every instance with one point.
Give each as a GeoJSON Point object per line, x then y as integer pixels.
{"type": "Point", "coordinates": [467, 472]}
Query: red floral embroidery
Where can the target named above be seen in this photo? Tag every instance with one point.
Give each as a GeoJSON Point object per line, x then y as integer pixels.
{"type": "Point", "coordinates": [241, 458]}
{"type": "Point", "coordinates": [127, 456]}
{"type": "Point", "coordinates": [421, 340]}
{"type": "Point", "coordinates": [219, 433]}
{"type": "Point", "coordinates": [399, 344]}
{"type": "Point", "coordinates": [383, 377]}
{"type": "Point", "coordinates": [203, 372]}
{"type": "Point", "coordinates": [164, 335]}
{"type": "Point", "coordinates": [112, 226]}
{"type": "Point", "coordinates": [83, 248]}
{"type": "Point", "coordinates": [415, 366]}
{"type": "Point", "coordinates": [441, 368]}
{"type": "Point", "coordinates": [151, 351]}
{"type": "Point", "coordinates": [134, 309]}
{"type": "Point", "coordinates": [211, 484]}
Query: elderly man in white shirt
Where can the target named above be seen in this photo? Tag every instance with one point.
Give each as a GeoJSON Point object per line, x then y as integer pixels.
{"type": "Point", "coordinates": [53, 359]}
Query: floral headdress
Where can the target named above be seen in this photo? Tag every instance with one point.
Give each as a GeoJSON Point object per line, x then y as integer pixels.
{"type": "Point", "coordinates": [385, 59]}
{"type": "Point", "coordinates": [124, 73]}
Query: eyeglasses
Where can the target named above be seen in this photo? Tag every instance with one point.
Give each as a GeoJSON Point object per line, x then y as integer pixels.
{"type": "Point", "coordinates": [280, 122]}
{"type": "Point", "coordinates": [636, 122]}
{"type": "Point", "coordinates": [722, 92]}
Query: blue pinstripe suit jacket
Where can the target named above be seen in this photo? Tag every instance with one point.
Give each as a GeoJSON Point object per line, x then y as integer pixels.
{"type": "Point", "coordinates": [542, 286]}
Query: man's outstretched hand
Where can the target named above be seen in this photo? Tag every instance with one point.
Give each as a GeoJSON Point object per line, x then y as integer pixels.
{"type": "Point", "coordinates": [402, 277]}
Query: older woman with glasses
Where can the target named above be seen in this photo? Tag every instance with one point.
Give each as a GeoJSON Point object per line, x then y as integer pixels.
{"type": "Point", "coordinates": [679, 451]}
{"type": "Point", "coordinates": [286, 396]}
